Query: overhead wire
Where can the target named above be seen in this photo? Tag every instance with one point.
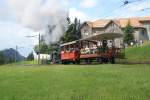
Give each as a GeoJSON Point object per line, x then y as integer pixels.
{"type": "Point", "coordinates": [125, 3]}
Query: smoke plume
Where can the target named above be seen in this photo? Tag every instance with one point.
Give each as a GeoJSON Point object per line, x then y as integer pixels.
{"type": "Point", "coordinates": [45, 16]}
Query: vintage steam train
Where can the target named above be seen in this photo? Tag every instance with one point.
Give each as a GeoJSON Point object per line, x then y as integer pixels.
{"type": "Point", "coordinates": [92, 49]}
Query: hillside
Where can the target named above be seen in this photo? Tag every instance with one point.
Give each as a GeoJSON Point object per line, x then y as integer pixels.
{"type": "Point", "coordinates": [10, 54]}
{"type": "Point", "coordinates": [138, 53]}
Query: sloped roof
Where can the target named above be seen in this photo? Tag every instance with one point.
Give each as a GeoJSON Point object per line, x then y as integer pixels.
{"type": "Point", "coordinates": [122, 22]}
{"type": "Point", "coordinates": [144, 18]}
{"type": "Point", "coordinates": [133, 21]}
{"type": "Point", "coordinates": [101, 23]}
{"type": "Point", "coordinates": [90, 23]}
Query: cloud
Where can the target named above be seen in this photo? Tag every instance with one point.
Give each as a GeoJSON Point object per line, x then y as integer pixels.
{"type": "Point", "coordinates": [74, 13]}
{"type": "Point", "coordinates": [88, 3]}
{"type": "Point", "coordinates": [13, 34]}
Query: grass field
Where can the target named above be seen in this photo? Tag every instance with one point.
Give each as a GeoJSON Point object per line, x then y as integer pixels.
{"type": "Point", "coordinates": [75, 82]}
{"type": "Point", "coordinates": [138, 54]}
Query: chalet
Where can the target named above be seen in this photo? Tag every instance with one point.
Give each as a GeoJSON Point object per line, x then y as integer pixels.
{"type": "Point", "coordinates": [141, 27]}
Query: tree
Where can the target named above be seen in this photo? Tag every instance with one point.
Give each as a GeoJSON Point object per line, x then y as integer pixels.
{"type": "Point", "coordinates": [73, 31]}
{"type": "Point", "coordinates": [30, 57]}
{"type": "Point", "coordinates": [2, 58]}
{"type": "Point", "coordinates": [128, 34]}
{"type": "Point", "coordinates": [44, 48]}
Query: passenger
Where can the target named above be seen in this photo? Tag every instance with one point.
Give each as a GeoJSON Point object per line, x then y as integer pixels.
{"type": "Point", "coordinates": [109, 44]}
{"type": "Point", "coordinates": [131, 44]}
{"type": "Point", "coordinates": [82, 51]}
{"type": "Point", "coordinates": [94, 49]}
{"type": "Point", "coordinates": [141, 42]}
{"type": "Point", "coordinates": [136, 43]}
{"type": "Point", "coordinates": [71, 49]}
{"type": "Point", "coordinates": [87, 50]}
{"type": "Point", "coordinates": [104, 46]}
{"type": "Point", "coordinates": [67, 50]}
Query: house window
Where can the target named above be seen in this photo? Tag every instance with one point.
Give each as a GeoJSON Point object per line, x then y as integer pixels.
{"type": "Point", "coordinates": [86, 33]}
{"type": "Point", "coordinates": [94, 32]}
{"type": "Point", "coordinates": [143, 32]}
{"type": "Point", "coordinates": [149, 28]}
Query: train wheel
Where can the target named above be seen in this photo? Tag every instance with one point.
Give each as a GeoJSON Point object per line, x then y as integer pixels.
{"type": "Point", "coordinates": [105, 60]}
{"type": "Point", "coordinates": [68, 62]}
{"type": "Point", "coordinates": [65, 62]}
{"type": "Point", "coordinates": [88, 61]}
{"type": "Point", "coordinates": [112, 60]}
{"type": "Point", "coordinates": [77, 62]}
{"type": "Point", "coordinates": [100, 60]}
{"type": "Point", "coordinates": [74, 62]}
{"type": "Point", "coordinates": [62, 62]}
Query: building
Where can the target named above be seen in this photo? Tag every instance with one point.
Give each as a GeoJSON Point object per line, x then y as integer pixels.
{"type": "Point", "coordinates": [42, 56]}
{"type": "Point", "coordinates": [141, 27]}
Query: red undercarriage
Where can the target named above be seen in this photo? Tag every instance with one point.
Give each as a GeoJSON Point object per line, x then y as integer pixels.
{"type": "Point", "coordinates": [73, 56]}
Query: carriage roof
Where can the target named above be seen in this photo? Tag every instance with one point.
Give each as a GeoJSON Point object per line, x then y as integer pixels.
{"type": "Point", "coordinates": [104, 36]}
{"type": "Point", "coordinates": [69, 43]}
{"type": "Point", "coordinates": [96, 37]}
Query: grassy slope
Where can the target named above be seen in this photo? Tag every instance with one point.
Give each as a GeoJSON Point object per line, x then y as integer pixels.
{"type": "Point", "coordinates": [27, 63]}
{"type": "Point", "coordinates": [59, 82]}
{"type": "Point", "coordinates": [139, 53]}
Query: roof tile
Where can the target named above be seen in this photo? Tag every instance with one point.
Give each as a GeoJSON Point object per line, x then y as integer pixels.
{"type": "Point", "coordinates": [135, 22]}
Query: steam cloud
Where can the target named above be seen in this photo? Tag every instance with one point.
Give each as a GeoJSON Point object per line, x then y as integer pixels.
{"type": "Point", "coordinates": [46, 16]}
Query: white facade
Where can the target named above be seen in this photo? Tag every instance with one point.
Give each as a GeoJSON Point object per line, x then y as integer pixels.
{"type": "Point", "coordinates": [42, 56]}
{"type": "Point", "coordinates": [140, 33]}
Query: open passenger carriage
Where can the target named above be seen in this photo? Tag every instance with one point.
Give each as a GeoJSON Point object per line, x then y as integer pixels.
{"type": "Point", "coordinates": [100, 48]}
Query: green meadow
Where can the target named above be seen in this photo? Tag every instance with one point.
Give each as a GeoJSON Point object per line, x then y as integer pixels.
{"type": "Point", "coordinates": [138, 54]}
{"type": "Point", "coordinates": [29, 81]}
{"type": "Point", "coordinates": [75, 82]}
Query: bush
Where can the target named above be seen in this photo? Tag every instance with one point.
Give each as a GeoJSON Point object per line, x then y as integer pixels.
{"type": "Point", "coordinates": [2, 58]}
{"type": "Point", "coordinates": [30, 57]}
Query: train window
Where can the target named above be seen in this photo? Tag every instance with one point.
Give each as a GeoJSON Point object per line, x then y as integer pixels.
{"type": "Point", "coordinates": [62, 48]}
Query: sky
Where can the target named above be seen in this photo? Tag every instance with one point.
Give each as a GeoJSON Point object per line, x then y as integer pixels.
{"type": "Point", "coordinates": [15, 17]}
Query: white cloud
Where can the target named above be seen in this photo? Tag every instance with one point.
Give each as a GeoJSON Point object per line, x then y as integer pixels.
{"type": "Point", "coordinates": [13, 34]}
{"type": "Point", "coordinates": [74, 13]}
{"type": "Point", "coordinates": [88, 3]}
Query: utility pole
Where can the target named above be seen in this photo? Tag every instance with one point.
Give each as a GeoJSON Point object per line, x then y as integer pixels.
{"type": "Point", "coordinates": [39, 49]}
{"type": "Point", "coordinates": [39, 42]}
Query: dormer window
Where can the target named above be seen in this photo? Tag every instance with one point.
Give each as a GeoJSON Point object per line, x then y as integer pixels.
{"type": "Point", "coordinates": [113, 24]}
